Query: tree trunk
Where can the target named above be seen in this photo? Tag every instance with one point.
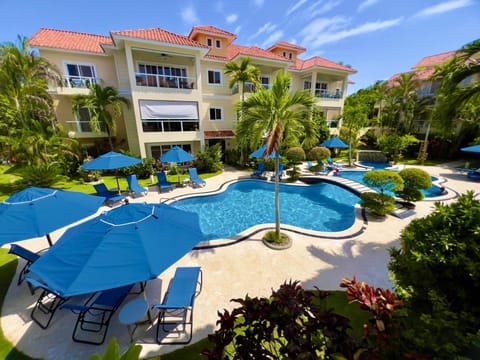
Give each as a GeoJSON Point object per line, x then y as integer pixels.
{"type": "Point", "coordinates": [277, 198]}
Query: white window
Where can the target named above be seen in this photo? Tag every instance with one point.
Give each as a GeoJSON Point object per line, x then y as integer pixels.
{"type": "Point", "coordinates": [216, 114]}
{"type": "Point", "coordinates": [265, 81]}
{"type": "Point", "coordinates": [79, 74]}
{"type": "Point", "coordinates": [83, 120]}
{"type": "Point", "coordinates": [289, 55]}
{"type": "Point", "coordinates": [284, 54]}
{"type": "Point", "coordinates": [307, 85]}
{"type": "Point", "coordinates": [209, 42]}
{"type": "Point", "coordinates": [321, 89]}
{"type": "Point", "coordinates": [218, 44]}
{"type": "Point", "coordinates": [214, 77]}
{"type": "Point", "coordinates": [166, 116]}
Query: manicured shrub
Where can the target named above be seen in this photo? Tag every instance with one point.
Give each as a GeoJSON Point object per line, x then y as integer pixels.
{"type": "Point", "coordinates": [318, 153]}
{"type": "Point", "coordinates": [383, 181]}
{"type": "Point", "coordinates": [414, 180]}
{"type": "Point", "coordinates": [209, 160]}
{"type": "Point", "coordinates": [437, 273]}
{"type": "Point", "coordinates": [378, 204]}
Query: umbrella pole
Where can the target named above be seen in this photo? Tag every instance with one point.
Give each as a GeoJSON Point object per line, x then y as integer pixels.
{"type": "Point", "coordinates": [49, 239]}
{"type": "Point", "coordinates": [118, 184]}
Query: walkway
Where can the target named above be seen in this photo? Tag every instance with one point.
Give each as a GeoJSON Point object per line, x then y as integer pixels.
{"type": "Point", "coordinates": [246, 267]}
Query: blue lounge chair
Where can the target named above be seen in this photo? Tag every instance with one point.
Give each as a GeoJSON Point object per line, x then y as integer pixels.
{"type": "Point", "coordinates": [134, 186]}
{"type": "Point", "coordinates": [474, 174]}
{"type": "Point", "coordinates": [333, 164]}
{"type": "Point", "coordinates": [94, 316]}
{"type": "Point", "coordinates": [280, 172]}
{"type": "Point", "coordinates": [27, 255]}
{"type": "Point", "coordinates": [46, 305]}
{"type": "Point", "coordinates": [260, 170]}
{"type": "Point", "coordinates": [309, 164]}
{"type": "Point", "coordinates": [110, 197]}
{"type": "Point", "coordinates": [176, 311]}
{"type": "Point", "coordinates": [163, 182]}
{"type": "Point", "coordinates": [194, 179]}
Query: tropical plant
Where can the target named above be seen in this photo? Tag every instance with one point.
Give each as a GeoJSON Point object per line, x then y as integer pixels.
{"type": "Point", "coordinates": [404, 92]}
{"type": "Point", "coordinates": [104, 105]}
{"type": "Point", "coordinates": [436, 272]}
{"type": "Point", "coordinates": [394, 144]}
{"type": "Point", "coordinates": [28, 128]}
{"type": "Point", "coordinates": [281, 117]}
{"type": "Point", "coordinates": [382, 181]}
{"type": "Point", "coordinates": [112, 352]}
{"type": "Point", "coordinates": [241, 74]}
{"type": "Point", "coordinates": [295, 155]}
{"type": "Point", "coordinates": [459, 87]}
{"type": "Point", "coordinates": [354, 118]}
{"type": "Point", "coordinates": [210, 160]}
{"type": "Point", "coordinates": [414, 181]}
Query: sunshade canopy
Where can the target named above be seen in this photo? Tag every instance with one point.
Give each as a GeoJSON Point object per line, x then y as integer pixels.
{"type": "Point", "coordinates": [176, 155]}
{"type": "Point", "coordinates": [334, 142]}
{"type": "Point", "coordinates": [474, 148]}
{"type": "Point", "coordinates": [126, 245]}
{"type": "Point", "coordinates": [260, 153]}
{"type": "Point", "coordinates": [35, 212]}
{"type": "Point", "coordinates": [111, 161]}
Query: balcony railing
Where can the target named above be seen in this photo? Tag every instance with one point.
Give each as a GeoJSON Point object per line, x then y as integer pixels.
{"type": "Point", "coordinates": [82, 127]}
{"type": "Point", "coordinates": [165, 81]}
{"type": "Point", "coordinates": [328, 95]}
{"type": "Point", "coordinates": [71, 81]}
{"type": "Point", "coordinates": [249, 87]}
{"type": "Point", "coordinates": [180, 125]}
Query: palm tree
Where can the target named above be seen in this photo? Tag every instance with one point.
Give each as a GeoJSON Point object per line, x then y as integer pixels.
{"type": "Point", "coordinates": [456, 93]}
{"type": "Point", "coordinates": [241, 74]}
{"type": "Point", "coordinates": [26, 107]}
{"type": "Point", "coordinates": [280, 116]}
{"type": "Point", "coordinates": [405, 93]}
{"type": "Point", "coordinates": [104, 105]}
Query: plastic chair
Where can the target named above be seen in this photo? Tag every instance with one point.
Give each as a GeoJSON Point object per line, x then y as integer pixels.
{"type": "Point", "coordinates": [110, 198]}
{"type": "Point", "coordinates": [134, 186]}
{"type": "Point", "coordinates": [27, 255]}
{"type": "Point", "coordinates": [195, 180]}
{"type": "Point", "coordinates": [260, 170]}
{"type": "Point", "coordinates": [95, 315]}
{"type": "Point", "coordinates": [280, 173]}
{"type": "Point", "coordinates": [163, 182]}
{"type": "Point", "coordinates": [176, 311]}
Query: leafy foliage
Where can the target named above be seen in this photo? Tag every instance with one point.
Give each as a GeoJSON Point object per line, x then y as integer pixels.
{"type": "Point", "coordinates": [41, 175]}
{"type": "Point", "coordinates": [414, 180]}
{"type": "Point", "coordinates": [395, 144]}
{"type": "Point", "coordinates": [291, 324]}
{"type": "Point", "coordinates": [112, 352]}
{"type": "Point", "coordinates": [318, 153]}
{"type": "Point", "coordinates": [210, 160]}
{"type": "Point", "coordinates": [383, 180]}
{"type": "Point", "coordinates": [378, 204]}
{"type": "Point", "coordinates": [437, 274]}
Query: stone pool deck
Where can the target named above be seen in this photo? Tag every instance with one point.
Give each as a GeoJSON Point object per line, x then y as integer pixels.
{"type": "Point", "coordinates": [243, 267]}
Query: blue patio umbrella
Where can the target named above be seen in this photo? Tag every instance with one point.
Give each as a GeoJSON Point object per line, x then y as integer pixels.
{"type": "Point", "coordinates": [334, 142]}
{"type": "Point", "coordinates": [127, 245]}
{"type": "Point", "coordinates": [111, 161]}
{"type": "Point", "coordinates": [176, 155]}
{"type": "Point", "coordinates": [35, 212]}
{"type": "Point", "coordinates": [474, 148]}
{"type": "Point", "coordinates": [260, 153]}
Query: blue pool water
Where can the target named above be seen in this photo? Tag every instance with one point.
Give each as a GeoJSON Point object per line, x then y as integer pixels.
{"type": "Point", "coordinates": [319, 207]}
{"type": "Point", "coordinates": [358, 177]}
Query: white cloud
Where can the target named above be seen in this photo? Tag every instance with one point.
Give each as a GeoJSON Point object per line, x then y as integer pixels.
{"type": "Point", "coordinates": [258, 3]}
{"type": "Point", "coordinates": [296, 6]}
{"type": "Point", "coordinates": [231, 18]}
{"type": "Point", "coordinates": [273, 38]}
{"type": "Point", "coordinates": [329, 5]}
{"type": "Point", "coordinates": [189, 15]}
{"type": "Point", "coordinates": [444, 7]}
{"type": "Point", "coordinates": [219, 6]}
{"type": "Point", "coordinates": [237, 30]}
{"type": "Point", "coordinates": [366, 3]}
{"type": "Point", "coordinates": [266, 28]}
{"type": "Point", "coordinates": [324, 31]}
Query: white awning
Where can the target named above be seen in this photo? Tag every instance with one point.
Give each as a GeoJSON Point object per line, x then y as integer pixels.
{"type": "Point", "coordinates": [153, 109]}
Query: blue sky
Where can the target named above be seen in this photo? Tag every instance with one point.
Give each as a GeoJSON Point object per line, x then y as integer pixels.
{"type": "Point", "coordinates": [376, 37]}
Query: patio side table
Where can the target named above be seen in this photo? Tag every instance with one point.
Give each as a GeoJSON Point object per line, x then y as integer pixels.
{"type": "Point", "coordinates": [132, 314]}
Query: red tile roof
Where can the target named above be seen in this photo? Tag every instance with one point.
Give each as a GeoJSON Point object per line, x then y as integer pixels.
{"type": "Point", "coordinates": [317, 61]}
{"type": "Point", "coordinates": [253, 51]}
{"type": "Point", "coordinates": [211, 30]}
{"type": "Point", "coordinates": [219, 134]}
{"type": "Point", "coordinates": [420, 75]}
{"type": "Point", "coordinates": [287, 45]}
{"type": "Point", "coordinates": [69, 40]}
{"type": "Point", "coordinates": [430, 61]}
{"type": "Point", "coordinates": [161, 35]}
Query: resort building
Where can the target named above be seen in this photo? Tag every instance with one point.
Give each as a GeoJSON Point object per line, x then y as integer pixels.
{"type": "Point", "coordinates": [176, 84]}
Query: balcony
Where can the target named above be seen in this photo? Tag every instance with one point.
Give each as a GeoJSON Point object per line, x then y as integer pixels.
{"type": "Point", "coordinates": [84, 82]}
{"type": "Point", "coordinates": [82, 129]}
{"type": "Point", "coordinates": [165, 81]}
{"type": "Point", "coordinates": [324, 94]}
{"type": "Point", "coordinates": [249, 87]}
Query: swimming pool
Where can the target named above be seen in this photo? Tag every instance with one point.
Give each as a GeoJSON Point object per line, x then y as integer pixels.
{"type": "Point", "coordinates": [246, 203]}
{"type": "Point", "coordinates": [358, 177]}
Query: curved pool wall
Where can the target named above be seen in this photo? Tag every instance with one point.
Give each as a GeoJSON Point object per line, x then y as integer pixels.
{"type": "Point", "coordinates": [245, 204]}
